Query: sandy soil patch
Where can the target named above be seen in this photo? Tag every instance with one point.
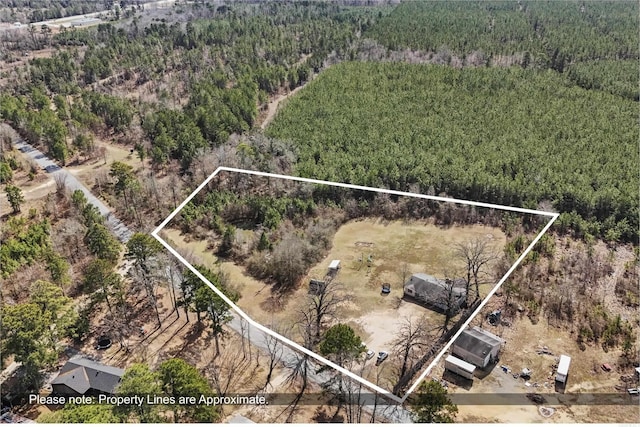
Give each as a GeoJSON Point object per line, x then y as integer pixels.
{"type": "Point", "coordinates": [523, 340]}
{"type": "Point", "coordinates": [396, 250]}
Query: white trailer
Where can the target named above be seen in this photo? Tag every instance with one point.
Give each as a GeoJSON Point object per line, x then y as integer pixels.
{"type": "Point", "coordinates": [334, 265]}
{"type": "Point", "coordinates": [563, 369]}
{"type": "Point", "coordinates": [459, 366]}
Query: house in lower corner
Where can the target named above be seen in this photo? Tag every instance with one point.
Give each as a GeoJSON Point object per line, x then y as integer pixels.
{"type": "Point", "coordinates": [477, 346]}
{"type": "Point", "coordinates": [440, 295]}
{"type": "Point", "coordinates": [80, 377]}
{"type": "Point", "coordinates": [239, 419]}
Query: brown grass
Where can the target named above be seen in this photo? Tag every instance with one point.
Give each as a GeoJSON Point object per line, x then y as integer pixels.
{"type": "Point", "coordinates": [423, 247]}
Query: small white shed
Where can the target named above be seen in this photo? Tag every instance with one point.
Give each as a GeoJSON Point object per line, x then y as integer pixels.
{"type": "Point", "coordinates": [335, 265]}
{"type": "Point", "coordinates": [563, 369]}
{"type": "Point", "coordinates": [459, 366]}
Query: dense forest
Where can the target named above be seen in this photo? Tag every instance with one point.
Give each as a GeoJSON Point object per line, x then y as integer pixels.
{"type": "Point", "coordinates": [507, 136]}
{"type": "Point", "coordinates": [225, 66]}
{"type": "Point", "coordinates": [550, 34]}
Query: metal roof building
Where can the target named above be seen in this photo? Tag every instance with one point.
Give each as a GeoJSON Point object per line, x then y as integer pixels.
{"type": "Point", "coordinates": [563, 368]}
{"type": "Point", "coordinates": [441, 295]}
{"type": "Point", "coordinates": [477, 346]}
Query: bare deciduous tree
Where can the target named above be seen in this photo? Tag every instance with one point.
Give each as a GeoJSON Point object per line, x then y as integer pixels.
{"type": "Point", "coordinates": [229, 369]}
{"type": "Point", "coordinates": [413, 334]}
{"type": "Point", "coordinates": [299, 374]}
{"type": "Point", "coordinates": [476, 254]}
{"type": "Point", "coordinates": [323, 305]}
{"type": "Point", "coordinates": [275, 351]}
{"type": "Point", "coordinates": [450, 296]}
{"type": "Point", "coordinates": [61, 184]}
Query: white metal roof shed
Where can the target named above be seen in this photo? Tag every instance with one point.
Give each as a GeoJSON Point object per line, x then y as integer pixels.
{"type": "Point", "coordinates": [460, 363]}
{"type": "Point", "coordinates": [563, 365]}
{"type": "Point", "coordinates": [335, 264]}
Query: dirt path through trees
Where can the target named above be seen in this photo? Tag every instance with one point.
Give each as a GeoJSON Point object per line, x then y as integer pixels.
{"type": "Point", "coordinates": [272, 109]}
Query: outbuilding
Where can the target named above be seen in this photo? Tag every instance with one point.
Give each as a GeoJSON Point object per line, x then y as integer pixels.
{"type": "Point", "coordinates": [316, 287]}
{"type": "Point", "coordinates": [477, 346]}
{"type": "Point", "coordinates": [563, 369]}
{"type": "Point", "coordinates": [334, 265]}
{"type": "Point", "coordinates": [460, 367]}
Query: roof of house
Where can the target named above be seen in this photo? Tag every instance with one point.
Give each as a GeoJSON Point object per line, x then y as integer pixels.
{"type": "Point", "coordinates": [82, 374]}
{"type": "Point", "coordinates": [477, 341]}
{"type": "Point", "coordinates": [239, 419]}
{"type": "Point", "coordinates": [434, 289]}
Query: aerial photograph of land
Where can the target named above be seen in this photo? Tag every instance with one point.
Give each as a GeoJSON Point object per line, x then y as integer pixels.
{"type": "Point", "coordinates": [339, 211]}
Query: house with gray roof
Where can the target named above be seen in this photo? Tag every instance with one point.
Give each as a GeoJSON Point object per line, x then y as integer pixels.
{"type": "Point", "coordinates": [477, 346]}
{"type": "Point", "coordinates": [440, 295]}
{"type": "Point", "coordinates": [80, 376]}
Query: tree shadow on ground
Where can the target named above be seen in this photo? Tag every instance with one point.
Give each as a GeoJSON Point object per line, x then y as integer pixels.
{"type": "Point", "coordinates": [322, 416]}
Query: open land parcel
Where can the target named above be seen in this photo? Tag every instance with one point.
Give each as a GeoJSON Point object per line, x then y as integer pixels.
{"type": "Point", "coordinates": [377, 241]}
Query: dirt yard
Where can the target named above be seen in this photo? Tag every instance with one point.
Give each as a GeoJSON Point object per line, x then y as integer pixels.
{"type": "Point", "coordinates": [396, 250]}
{"type": "Point", "coordinates": [522, 342]}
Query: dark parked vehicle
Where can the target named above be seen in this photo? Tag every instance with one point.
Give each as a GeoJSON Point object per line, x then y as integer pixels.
{"type": "Point", "coordinates": [386, 288]}
{"type": "Point", "coordinates": [381, 357]}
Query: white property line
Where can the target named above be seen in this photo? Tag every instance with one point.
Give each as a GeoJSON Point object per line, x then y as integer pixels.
{"type": "Point", "coordinates": [482, 304]}
{"type": "Point", "coordinates": [297, 346]}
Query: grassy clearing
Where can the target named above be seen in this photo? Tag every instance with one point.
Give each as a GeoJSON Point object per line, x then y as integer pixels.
{"type": "Point", "coordinates": [395, 247]}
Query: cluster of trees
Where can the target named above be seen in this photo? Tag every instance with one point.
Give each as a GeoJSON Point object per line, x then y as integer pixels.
{"type": "Point", "coordinates": [52, 125]}
{"type": "Point", "coordinates": [255, 50]}
{"type": "Point", "coordinates": [116, 113]}
{"type": "Point", "coordinates": [198, 297]}
{"type": "Point", "coordinates": [174, 378]}
{"type": "Point", "coordinates": [616, 77]}
{"type": "Point", "coordinates": [58, 74]}
{"type": "Point", "coordinates": [261, 42]}
{"type": "Point", "coordinates": [34, 119]}
{"type": "Point", "coordinates": [31, 330]}
{"type": "Point", "coordinates": [544, 34]}
{"type": "Point", "coordinates": [23, 242]}
{"type": "Point", "coordinates": [212, 114]}
{"type": "Point", "coordinates": [99, 240]}
{"type": "Point", "coordinates": [505, 136]}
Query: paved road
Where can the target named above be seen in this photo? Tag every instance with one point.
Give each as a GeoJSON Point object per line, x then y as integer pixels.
{"type": "Point", "coordinates": [67, 20]}
{"type": "Point", "coordinates": [119, 229]}
{"type": "Point", "coordinates": [290, 358]}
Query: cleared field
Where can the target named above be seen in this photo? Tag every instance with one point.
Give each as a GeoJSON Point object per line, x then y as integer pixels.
{"type": "Point", "coordinates": [396, 249]}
